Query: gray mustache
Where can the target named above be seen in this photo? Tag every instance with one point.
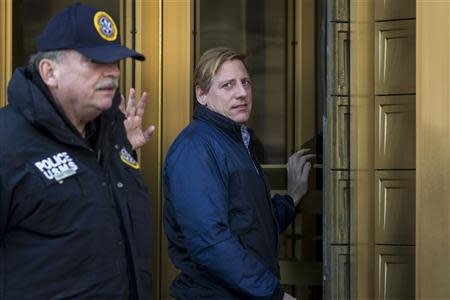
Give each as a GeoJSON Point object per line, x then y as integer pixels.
{"type": "Point", "coordinates": [108, 84]}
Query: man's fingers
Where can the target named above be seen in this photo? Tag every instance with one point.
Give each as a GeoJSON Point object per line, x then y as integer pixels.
{"type": "Point", "coordinates": [148, 133]}
{"type": "Point", "coordinates": [301, 152]}
{"type": "Point", "coordinates": [297, 155]}
{"type": "Point", "coordinates": [141, 105]}
{"type": "Point", "coordinates": [300, 160]}
{"type": "Point", "coordinates": [131, 105]}
{"type": "Point", "coordinates": [122, 104]}
{"type": "Point", "coordinates": [305, 173]}
{"type": "Point", "coordinates": [303, 159]}
{"type": "Point", "coordinates": [286, 296]}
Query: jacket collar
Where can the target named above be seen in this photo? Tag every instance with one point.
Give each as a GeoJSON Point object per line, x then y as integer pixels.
{"type": "Point", "coordinates": [225, 124]}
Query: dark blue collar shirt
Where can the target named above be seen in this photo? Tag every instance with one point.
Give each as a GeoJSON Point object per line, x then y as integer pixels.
{"type": "Point", "coordinates": [74, 212]}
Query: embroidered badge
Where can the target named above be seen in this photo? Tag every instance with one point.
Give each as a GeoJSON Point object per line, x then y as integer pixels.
{"type": "Point", "coordinates": [128, 159]}
{"type": "Point", "coordinates": [57, 167]}
{"type": "Point", "coordinates": [105, 26]}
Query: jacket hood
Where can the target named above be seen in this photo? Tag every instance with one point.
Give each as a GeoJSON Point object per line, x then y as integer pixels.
{"type": "Point", "coordinates": [32, 101]}
{"type": "Point", "coordinates": [30, 97]}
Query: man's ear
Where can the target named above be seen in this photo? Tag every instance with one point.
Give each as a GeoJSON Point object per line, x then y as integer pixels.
{"type": "Point", "coordinates": [48, 72]}
{"type": "Point", "coordinates": [200, 95]}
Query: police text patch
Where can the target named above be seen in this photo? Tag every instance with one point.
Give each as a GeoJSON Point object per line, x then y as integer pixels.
{"type": "Point", "coordinates": [57, 167]}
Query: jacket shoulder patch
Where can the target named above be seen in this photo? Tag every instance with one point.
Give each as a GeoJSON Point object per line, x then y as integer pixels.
{"type": "Point", "coordinates": [128, 159]}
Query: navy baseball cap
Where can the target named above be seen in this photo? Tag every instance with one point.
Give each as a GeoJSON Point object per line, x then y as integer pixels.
{"type": "Point", "coordinates": [88, 30]}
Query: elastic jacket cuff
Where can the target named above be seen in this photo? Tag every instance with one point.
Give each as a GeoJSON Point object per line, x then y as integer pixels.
{"type": "Point", "coordinates": [291, 200]}
{"type": "Point", "coordinates": [278, 293]}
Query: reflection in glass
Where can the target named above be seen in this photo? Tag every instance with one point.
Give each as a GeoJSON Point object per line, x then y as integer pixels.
{"type": "Point", "coordinates": [257, 28]}
{"type": "Point", "coordinates": [31, 16]}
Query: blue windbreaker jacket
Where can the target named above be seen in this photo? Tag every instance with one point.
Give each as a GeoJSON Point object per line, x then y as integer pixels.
{"type": "Point", "coordinates": [74, 217]}
{"type": "Point", "coordinates": [221, 223]}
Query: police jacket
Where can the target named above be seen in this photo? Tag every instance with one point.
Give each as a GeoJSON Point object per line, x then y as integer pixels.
{"type": "Point", "coordinates": [74, 215]}
{"type": "Point", "coordinates": [221, 223]}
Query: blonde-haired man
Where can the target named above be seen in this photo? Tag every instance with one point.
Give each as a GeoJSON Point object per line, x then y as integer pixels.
{"type": "Point", "coordinates": [221, 222]}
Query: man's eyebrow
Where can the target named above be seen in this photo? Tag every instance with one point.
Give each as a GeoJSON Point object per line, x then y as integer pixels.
{"type": "Point", "coordinates": [234, 79]}
{"type": "Point", "coordinates": [227, 80]}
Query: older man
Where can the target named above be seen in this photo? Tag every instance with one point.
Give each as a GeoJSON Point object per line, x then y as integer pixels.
{"type": "Point", "coordinates": [222, 225]}
{"type": "Point", "coordinates": [74, 210]}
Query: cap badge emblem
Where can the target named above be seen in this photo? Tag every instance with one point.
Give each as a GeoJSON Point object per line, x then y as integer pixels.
{"type": "Point", "coordinates": [105, 26]}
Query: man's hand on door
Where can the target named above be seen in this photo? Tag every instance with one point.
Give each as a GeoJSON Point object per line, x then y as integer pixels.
{"type": "Point", "coordinates": [298, 168]}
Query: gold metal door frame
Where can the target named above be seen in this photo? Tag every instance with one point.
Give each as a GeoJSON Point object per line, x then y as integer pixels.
{"type": "Point", "coordinates": [149, 79]}
{"type": "Point", "coordinates": [433, 151]}
{"type": "Point", "coordinates": [362, 149]}
{"type": "Point", "coordinates": [165, 37]}
{"type": "Point", "coordinates": [5, 48]}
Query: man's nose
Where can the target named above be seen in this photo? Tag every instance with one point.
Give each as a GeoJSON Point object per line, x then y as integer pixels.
{"type": "Point", "coordinates": [112, 70]}
{"type": "Point", "coordinates": [242, 90]}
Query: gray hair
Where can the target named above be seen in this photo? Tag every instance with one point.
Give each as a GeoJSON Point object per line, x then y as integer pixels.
{"type": "Point", "coordinates": [35, 59]}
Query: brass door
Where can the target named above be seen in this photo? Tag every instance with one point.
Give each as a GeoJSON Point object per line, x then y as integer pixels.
{"type": "Point", "coordinates": [395, 155]}
{"type": "Point", "coordinates": [337, 204]}
{"type": "Point", "coordinates": [382, 146]}
{"type": "Point", "coordinates": [370, 107]}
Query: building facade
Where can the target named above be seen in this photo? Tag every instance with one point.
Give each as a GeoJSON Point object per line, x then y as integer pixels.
{"type": "Point", "coordinates": [364, 83]}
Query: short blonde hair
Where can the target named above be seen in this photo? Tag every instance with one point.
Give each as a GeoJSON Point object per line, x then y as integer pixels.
{"type": "Point", "coordinates": [209, 64]}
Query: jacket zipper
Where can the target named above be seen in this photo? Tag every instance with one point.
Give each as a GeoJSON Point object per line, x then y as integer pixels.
{"type": "Point", "coordinates": [251, 158]}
